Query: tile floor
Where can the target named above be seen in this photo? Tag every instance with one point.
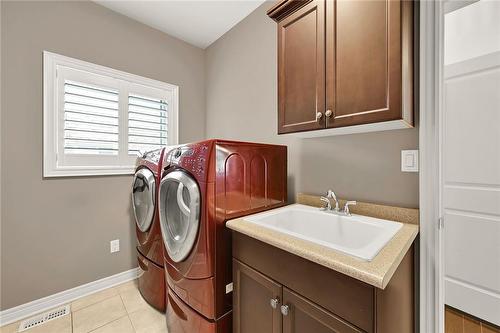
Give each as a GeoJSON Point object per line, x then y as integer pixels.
{"type": "Point", "coordinates": [120, 309]}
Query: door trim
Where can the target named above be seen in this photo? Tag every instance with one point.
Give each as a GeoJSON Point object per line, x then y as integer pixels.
{"type": "Point", "coordinates": [431, 264]}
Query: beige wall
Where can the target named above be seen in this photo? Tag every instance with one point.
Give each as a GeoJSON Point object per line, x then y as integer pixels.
{"type": "Point", "coordinates": [241, 94]}
{"type": "Point", "coordinates": [56, 232]}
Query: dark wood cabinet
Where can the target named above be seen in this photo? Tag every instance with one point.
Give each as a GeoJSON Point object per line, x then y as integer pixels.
{"type": "Point", "coordinates": [301, 63]}
{"type": "Point", "coordinates": [313, 298]}
{"type": "Point", "coordinates": [344, 63]}
{"type": "Point", "coordinates": [304, 316]}
{"type": "Point", "coordinates": [256, 301]}
{"type": "Point", "coordinates": [265, 306]}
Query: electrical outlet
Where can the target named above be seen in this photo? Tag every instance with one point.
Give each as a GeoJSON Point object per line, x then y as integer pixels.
{"type": "Point", "coordinates": [114, 246]}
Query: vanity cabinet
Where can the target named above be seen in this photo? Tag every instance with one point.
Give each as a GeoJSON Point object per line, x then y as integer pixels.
{"type": "Point", "coordinates": [344, 66]}
{"type": "Point", "coordinates": [256, 301]}
{"type": "Point", "coordinates": [275, 291]}
{"type": "Point", "coordinates": [265, 306]}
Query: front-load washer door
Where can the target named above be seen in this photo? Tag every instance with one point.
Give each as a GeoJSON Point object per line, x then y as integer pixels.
{"type": "Point", "coordinates": [143, 198]}
{"type": "Point", "coordinates": [179, 204]}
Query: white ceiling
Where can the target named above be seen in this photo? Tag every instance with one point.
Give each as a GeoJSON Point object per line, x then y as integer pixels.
{"type": "Point", "coordinates": [199, 23]}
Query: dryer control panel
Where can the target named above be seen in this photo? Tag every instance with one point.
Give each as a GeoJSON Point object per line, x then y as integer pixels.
{"type": "Point", "coordinates": [191, 157]}
{"type": "Point", "coordinates": [151, 160]}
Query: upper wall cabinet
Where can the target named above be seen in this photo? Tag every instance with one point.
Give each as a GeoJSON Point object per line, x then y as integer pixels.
{"type": "Point", "coordinates": [344, 66]}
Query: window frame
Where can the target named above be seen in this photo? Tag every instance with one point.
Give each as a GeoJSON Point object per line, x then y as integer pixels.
{"type": "Point", "coordinates": [55, 70]}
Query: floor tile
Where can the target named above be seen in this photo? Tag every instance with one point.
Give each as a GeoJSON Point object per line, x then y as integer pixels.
{"type": "Point", "coordinates": [93, 298]}
{"type": "Point", "coordinates": [122, 325]}
{"type": "Point", "coordinates": [127, 286]}
{"type": "Point", "coordinates": [11, 328]}
{"type": "Point", "coordinates": [97, 315]}
{"type": "Point", "coordinates": [133, 301]}
{"type": "Point", "coordinates": [148, 320]}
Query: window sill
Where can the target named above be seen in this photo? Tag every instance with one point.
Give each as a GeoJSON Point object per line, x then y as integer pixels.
{"type": "Point", "coordinates": [79, 172]}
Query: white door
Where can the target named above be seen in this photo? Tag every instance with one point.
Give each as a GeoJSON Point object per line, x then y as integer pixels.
{"type": "Point", "coordinates": [471, 159]}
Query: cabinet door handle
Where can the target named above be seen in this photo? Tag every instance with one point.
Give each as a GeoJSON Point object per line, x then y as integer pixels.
{"type": "Point", "coordinates": [319, 115]}
{"type": "Point", "coordinates": [274, 302]}
{"type": "Point", "coordinates": [329, 113]}
{"type": "Point", "coordinates": [284, 310]}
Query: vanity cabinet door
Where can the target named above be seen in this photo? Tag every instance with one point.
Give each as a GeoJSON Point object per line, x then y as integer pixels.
{"type": "Point", "coordinates": [256, 301]}
{"type": "Point", "coordinates": [300, 315]}
{"type": "Point", "coordinates": [301, 69]}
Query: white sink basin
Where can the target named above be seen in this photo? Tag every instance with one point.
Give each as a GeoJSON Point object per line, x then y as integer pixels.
{"type": "Point", "coordinates": [359, 236]}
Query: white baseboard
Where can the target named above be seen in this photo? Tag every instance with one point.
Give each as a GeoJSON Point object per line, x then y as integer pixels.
{"type": "Point", "coordinates": [31, 308]}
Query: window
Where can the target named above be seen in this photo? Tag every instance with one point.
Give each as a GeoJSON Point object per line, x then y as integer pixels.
{"type": "Point", "coordinates": [97, 120]}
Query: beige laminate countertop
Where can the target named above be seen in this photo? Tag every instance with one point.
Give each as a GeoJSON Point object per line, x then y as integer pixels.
{"type": "Point", "coordinates": [377, 272]}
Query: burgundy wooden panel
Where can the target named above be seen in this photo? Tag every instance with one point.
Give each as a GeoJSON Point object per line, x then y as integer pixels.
{"type": "Point", "coordinates": [258, 182]}
{"type": "Point", "coordinates": [235, 175]}
{"type": "Point", "coordinates": [250, 178]}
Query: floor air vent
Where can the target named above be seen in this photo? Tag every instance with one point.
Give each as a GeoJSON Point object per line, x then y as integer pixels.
{"type": "Point", "coordinates": [42, 318]}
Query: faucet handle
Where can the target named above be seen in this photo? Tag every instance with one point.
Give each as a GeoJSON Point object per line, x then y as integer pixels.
{"type": "Point", "coordinates": [328, 204]}
{"type": "Point", "coordinates": [346, 207]}
{"type": "Point", "coordinates": [331, 195]}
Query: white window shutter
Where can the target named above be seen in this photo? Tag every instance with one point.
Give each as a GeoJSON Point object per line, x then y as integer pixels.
{"type": "Point", "coordinates": [90, 119]}
{"type": "Point", "coordinates": [147, 123]}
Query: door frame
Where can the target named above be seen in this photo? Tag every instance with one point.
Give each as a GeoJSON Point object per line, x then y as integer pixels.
{"type": "Point", "coordinates": [431, 307]}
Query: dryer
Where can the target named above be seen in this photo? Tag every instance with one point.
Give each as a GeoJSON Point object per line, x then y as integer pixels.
{"type": "Point", "coordinates": [204, 185]}
{"type": "Point", "coordinates": [145, 186]}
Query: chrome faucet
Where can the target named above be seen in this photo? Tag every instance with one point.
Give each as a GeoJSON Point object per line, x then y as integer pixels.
{"type": "Point", "coordinates": [330, 195]}
{"type": "Point", "coordinates": [328, 205]}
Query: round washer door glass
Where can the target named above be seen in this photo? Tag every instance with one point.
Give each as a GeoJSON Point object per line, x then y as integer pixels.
{"type": "Point", "coordinates": [179, 213]}
{"type": "Point", "coordinates": [143, 198]}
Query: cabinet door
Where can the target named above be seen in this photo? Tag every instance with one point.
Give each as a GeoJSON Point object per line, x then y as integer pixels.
{"type": "Point", "coordinates": [302, 316]}
{"type": "Point", "coordinates": [364, 61]}
{"type": "Point", "coordinates": [253, 308]}
{"type": "Point", "coordinates": [301, 69]}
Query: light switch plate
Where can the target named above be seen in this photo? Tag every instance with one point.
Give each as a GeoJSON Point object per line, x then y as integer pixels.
{"type": "Point", "coordinates": [409, 160]}
{"type": "Point", "coordinates": [114, 246]}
